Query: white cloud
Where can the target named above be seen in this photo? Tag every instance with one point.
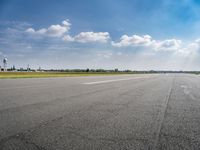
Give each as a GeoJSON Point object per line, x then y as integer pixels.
{"type": "Point", "coordinates": [56, 30]}
{"type": "Point", "coordinates": [134, 40]}
{"type": "Point", "coordinates": [66, 23]}
{"type": "Point", "coordinates": [105, 54]}
{"type": "Point", "coordinates": [30, 30]}
{"type": "Point", "coordinates": [61, 31]}
{"type": "Point", "coordinates": [85, 37]}
{"type": "Point", "coordinates": [168, 45]}
{"type": "Point", "coordinates": [147, 41]}
{"type": "Point", "coordinates": [53, 30]}
{"type": "Point", "coordinates": [68, 38]}
{"type": "Point", "coordinates": [191, 49]}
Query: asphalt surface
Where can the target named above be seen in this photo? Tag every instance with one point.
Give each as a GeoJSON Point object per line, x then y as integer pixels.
{"type": "Point", "coordinates": [101, 113]}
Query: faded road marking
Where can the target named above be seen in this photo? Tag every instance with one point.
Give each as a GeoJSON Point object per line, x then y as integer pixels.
{"type": "Point", "coordinates": [107, 81]}
{"type": "Point", "coordinates": [185, 89]}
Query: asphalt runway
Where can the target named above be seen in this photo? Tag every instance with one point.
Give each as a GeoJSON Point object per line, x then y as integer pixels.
{"type": "Point", "coordinates": [122, 112]}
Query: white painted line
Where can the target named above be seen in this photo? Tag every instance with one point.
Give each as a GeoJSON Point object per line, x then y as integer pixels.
{"type": "Point", "coordinates": [107, 81]}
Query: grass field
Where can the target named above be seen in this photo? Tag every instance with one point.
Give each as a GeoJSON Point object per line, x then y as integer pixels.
{"type": "Point", "coordinates": [4, 75]}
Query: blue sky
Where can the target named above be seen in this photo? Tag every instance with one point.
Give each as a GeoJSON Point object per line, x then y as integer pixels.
{"type": "Point", "coordinates": [131, 34]}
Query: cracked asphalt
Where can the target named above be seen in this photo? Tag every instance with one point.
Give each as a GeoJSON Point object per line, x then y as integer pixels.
{"type": "Point", "coordinates": [122, 112]}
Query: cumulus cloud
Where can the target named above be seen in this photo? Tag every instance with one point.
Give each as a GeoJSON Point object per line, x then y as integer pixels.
{"type": "Point", "coordinates": [68, 38]}
{"type": "Point", "coordinates": [168, 45]}
{"type": "Point", "coordinates": [53, 30]}
{"type": "Point", "coordinates": [88, 37]}
{"type": "Point", "coordinates": [191, 49]}
{"type": "Point", "coordinates": [56, 30]}
{"type": "Point", "coordinates": [195, 45]}
{"type": "Point", "coordinates": [147, 41]}
{"type": "Point", "coordinates": [66, 23]}
{"type": "Point", "coordinates": [61, 31]}
{"type": "Point", "coordinates": [85, 37]}
{"type": "Point", "coordinates": [134, 40]}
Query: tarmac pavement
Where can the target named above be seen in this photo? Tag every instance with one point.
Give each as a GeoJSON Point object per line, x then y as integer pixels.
{"type": "Point", "coordinates": [121, 112]}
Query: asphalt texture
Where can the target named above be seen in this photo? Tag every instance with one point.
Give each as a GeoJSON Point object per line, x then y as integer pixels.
{"type": "Point", "coordinates": [122, 112]}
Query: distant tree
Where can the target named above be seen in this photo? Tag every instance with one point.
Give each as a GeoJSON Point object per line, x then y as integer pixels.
{"type": "Point", "coordinates": [87, 70]}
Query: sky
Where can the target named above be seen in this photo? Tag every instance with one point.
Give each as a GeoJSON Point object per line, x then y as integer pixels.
{"type": "Point", "coordinates": [107, 34]}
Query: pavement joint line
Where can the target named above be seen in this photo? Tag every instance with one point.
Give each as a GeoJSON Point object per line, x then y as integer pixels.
{"type": "Point", "coordinates": [163, 116]}
{"type": "Point", "coordinates": [114, 80]}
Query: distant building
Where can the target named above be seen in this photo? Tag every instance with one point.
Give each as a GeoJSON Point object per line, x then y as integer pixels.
{"type": "Point", "coordinates": [13, 68]}
{"type": "Point", "coordinates": [28, 68]}
{"type": "Point", "coordinates": [116, 70]}
{"type": "Point", "coordinates": [5, 60]}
